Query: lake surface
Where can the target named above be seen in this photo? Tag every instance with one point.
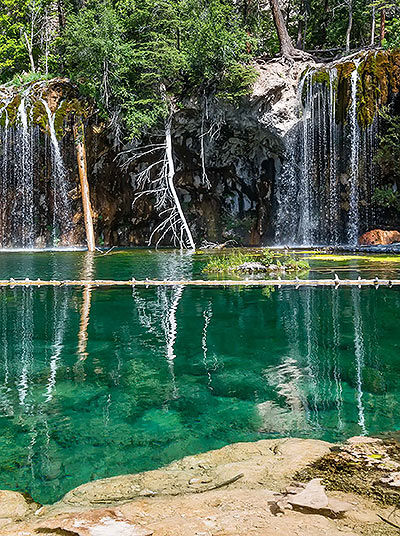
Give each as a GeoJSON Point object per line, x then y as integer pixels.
{"type": "Point", "coordinates": [100, 382]}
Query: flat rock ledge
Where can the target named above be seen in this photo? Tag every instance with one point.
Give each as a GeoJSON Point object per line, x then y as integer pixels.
{"type": "Point", "coordinates": [241, 489]}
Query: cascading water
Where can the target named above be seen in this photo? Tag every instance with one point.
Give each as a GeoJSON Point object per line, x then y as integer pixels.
{"type": "Point", "coordinates": [354, 215]}
{"type": "Point", "coordinates": [328, 175]}
{"type": "Point", "coordinates": [34, 183]}
{"type": "Point", "coordinates": [61, 206]}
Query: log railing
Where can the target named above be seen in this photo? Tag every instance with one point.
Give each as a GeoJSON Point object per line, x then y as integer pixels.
{"type": "Point", "coordinates": [296, 283]}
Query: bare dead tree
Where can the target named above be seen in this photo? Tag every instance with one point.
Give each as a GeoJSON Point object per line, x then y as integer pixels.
{"type": "Point", "coordinates": [350, 25]}
{"type": "Point", "coordinates": [157, 180]}
{"type": "Point", "coordinates": [373, 25]}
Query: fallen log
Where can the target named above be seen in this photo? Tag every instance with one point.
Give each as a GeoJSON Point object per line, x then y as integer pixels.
{"type": "Point", "coordinates": [297, 283]}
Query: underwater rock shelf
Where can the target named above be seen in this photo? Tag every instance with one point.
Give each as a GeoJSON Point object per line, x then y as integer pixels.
{"type": "Point", "coordinates": [222, 283]}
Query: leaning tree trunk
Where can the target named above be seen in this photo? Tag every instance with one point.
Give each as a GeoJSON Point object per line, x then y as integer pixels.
{"type": "Point", "coordinates": [383, 25]}
{"type": "Point", "coordinates": [171, 174]}
{"type": "Point", "coordinates": [349, 26]}
{"type": "Point", "coordinates": [287, 48]}
{"type": "Point", "coordinates": [79, 134]}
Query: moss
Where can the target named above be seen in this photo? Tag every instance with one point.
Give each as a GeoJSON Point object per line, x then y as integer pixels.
{"type": "Point", "coordinates": [12, 109]}
{"type": "Point", "coordinates": [347, 475]}
{"type": "Point", "coordinates": [378, 81]}
{"type": "Point", "coordinates": [67, 108]}
{"type": "Point", "coordinates": [321, 77]}
{"type": "Point", "coordinates": [343, 99]}
{"type": "Point", "coordinates": [62, 90]}
{"type": "Point", "coordinates": [39, 115]}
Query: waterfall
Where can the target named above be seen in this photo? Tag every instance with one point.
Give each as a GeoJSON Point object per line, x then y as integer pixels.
{"type": "Point", "coordinates": [61, 205]}
{"type": "Point", "coordinates": [327, 178]}
{"type": "Point", "coordinates": [25, 138]}
{"type": "Point", "coordinates": [305, 226]}
{"type": "Point", "coordinates": [354, 215]}
{"type": "Point", "coordinates": [35, 206]}
{"type": "Point", "coordinates": [334, 194]}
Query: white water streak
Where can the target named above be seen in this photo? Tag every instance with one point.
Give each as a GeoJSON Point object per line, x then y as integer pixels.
{"type": "Point", "coordinates": [359, 353]}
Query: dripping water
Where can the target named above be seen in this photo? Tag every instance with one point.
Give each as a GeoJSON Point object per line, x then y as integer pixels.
{"type": "Point", "coordinates": [61, 206]}
{"type": "Point", "coordinates": [354, 215]}
{"type": "Point", "coordinates": [328, 172]}
{"type": "Point", "coordinates": [25, 217]}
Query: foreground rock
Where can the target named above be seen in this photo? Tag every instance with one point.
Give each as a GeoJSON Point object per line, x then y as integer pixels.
{"type": "Point", "coordinates": [15, 507]}
{"type": "Point", "coordinates": [365, 465]}
{"type": "Point", "coordinates": [378, 237]}
{"type": "Point", "coordinates": [310, 498]}
{"type": "Point", "coordinates": [225, 492]}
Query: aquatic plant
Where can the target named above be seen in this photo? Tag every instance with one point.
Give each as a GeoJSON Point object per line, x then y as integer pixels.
{"type": "Point", "coordinates": [265, 261]}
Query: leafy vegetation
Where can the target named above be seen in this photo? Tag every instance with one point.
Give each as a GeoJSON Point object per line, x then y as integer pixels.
{"type": "Point", "coordinates": [266, 261]}
{"type": "Point", "coordinates": [134, 55]}
{"type": "Point", "coordinates": [386, 197]}
{"type": "Point", "coordinates": [388, 156]}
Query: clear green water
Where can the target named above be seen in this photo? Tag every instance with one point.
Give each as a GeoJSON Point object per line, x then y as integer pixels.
{"type": "Point", "coordinates": [110, 381]}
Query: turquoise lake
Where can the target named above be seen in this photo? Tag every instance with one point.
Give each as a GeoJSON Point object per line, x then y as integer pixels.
{"type": "Point", "coordinates": [100, 382]}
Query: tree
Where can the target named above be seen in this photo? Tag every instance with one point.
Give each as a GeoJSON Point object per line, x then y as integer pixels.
{"type": "Point", "coordinates": [350, 25]}
{"type": "Point", "coordinates": [286, 45]}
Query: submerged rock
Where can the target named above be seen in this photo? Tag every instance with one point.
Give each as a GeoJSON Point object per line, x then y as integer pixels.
{"type": "Point", "coordinates": [225, 491]}
{"type": "Point", "coordinates": [378, 237]}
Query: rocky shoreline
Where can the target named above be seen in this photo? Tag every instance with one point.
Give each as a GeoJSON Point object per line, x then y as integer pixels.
{"type": "Point", "coordinates": [269, 487]}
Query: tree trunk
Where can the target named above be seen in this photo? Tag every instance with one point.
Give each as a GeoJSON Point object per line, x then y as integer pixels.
{"type": "Point", "coordinates": [61, 15]}
{"type": "Point", "coordinates": [383, 23]}
{"type": "Point", "coordinates": [79, 134]}
{"type": "Point", "coordinates": [373, 25]}
{"type": "Point", "coordinates": [287, 48]}
{"type": "Point", "coordinates": [171, 174]}
{"type": "Point", "coordinates": [300, 24]}
{"type": "Point", "coordinates": [29, 47]}
{"type": "Point", "coordinates": [350, 25]}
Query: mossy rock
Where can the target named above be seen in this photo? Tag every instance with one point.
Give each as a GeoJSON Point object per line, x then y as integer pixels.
{"type": "Point", "coordinates": [350, 476]}
{"type": "Point", "coordinates": [378, 82]}
{"type": "Point", "coordinates": [62, 97]}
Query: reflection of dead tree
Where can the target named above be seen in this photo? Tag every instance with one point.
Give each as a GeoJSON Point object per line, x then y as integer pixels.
{"type": "Point", "coordinates": [207, 315]}
{"type": "Point", "coordinates": [60, 311]}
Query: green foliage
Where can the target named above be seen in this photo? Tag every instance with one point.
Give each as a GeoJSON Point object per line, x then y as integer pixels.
{"type": "Point", "coordinates": [388, 155]}
{"type": "Point", "coordinates": [124, 53]}
{"type": "Point", "coordinates": [386, 197]}
{"type": "Point", "coordinates": [13, 54]}
{"type": "Point", "coordinates": [227, 262]}
{"type": "Point", "coordinates": [140, 59]}
{"type": "Point", "coordinates": [20, 80]}
{"type": "Point", "coordinates": [392, 39]}
{"type": "Point", "coordinates": [269, 259]}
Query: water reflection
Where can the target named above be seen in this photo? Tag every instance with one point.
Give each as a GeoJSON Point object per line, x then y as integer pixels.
{"type": "Point", "coordinates": [86, 274]}
{"type": "Point", "coordinates": [173, 371]}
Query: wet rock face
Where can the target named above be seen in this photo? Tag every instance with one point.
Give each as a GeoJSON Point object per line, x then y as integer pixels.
{"type": "Point", "coordinates": [240, 148]}
{"type": "Point", "coordinates": [378, 237]}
